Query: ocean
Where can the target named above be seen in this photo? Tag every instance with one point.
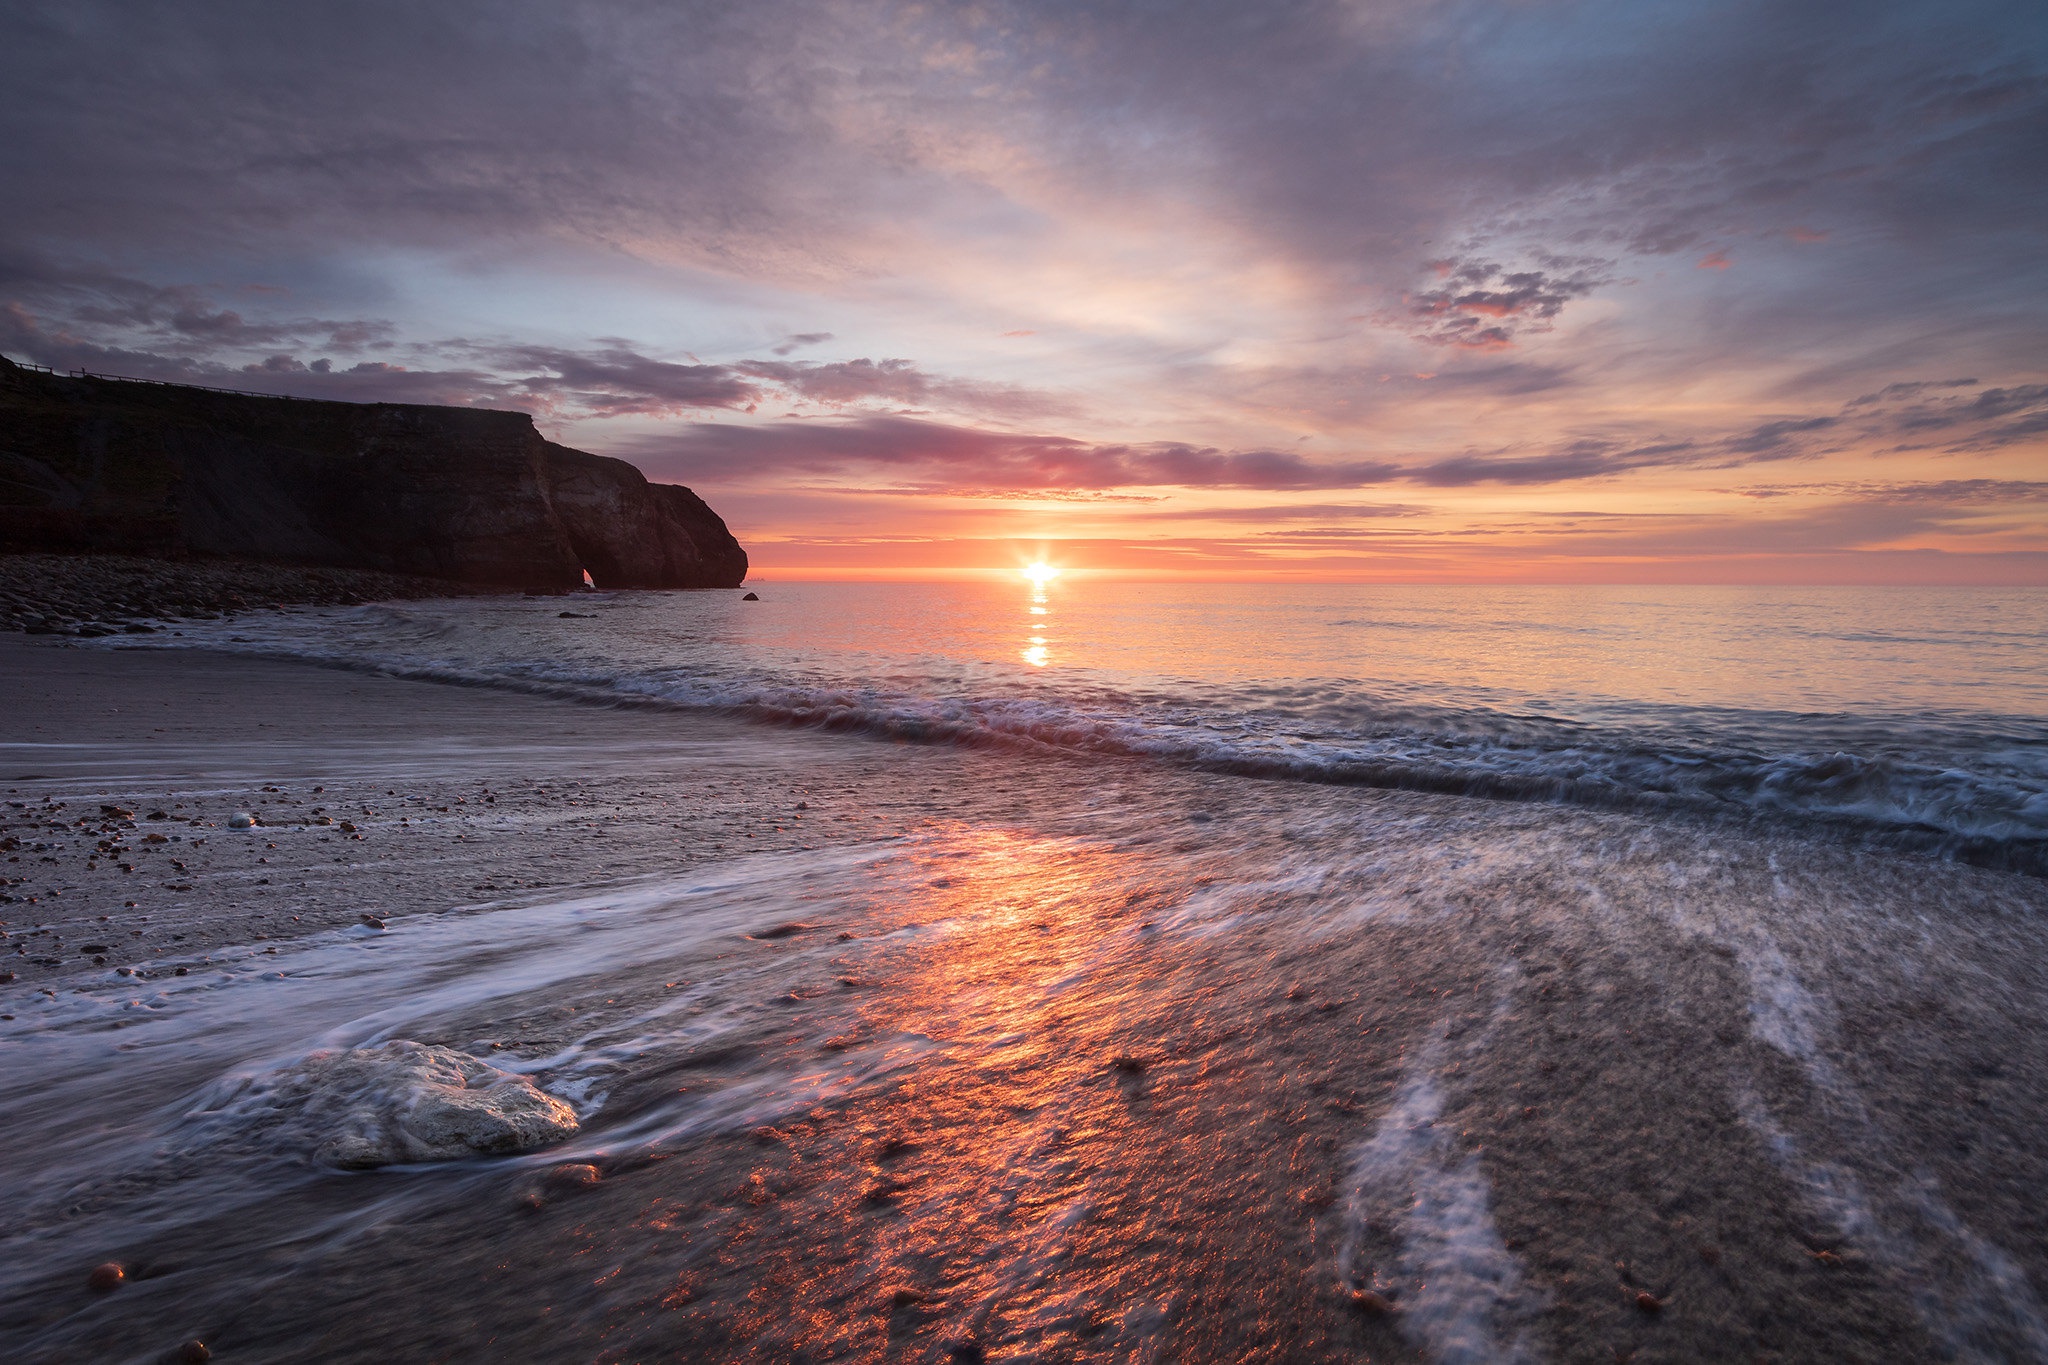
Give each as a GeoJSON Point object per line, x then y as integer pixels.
{"type": "Point", "coordinates": [1092, 972]}
{"type": "Point", "coordinates": [1908, 717]}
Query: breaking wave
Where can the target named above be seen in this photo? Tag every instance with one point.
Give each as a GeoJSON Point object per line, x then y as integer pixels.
{"type": "Point", "coordinates": [1974, 791]}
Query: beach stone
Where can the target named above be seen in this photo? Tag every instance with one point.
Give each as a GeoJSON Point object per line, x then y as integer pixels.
{"type": "Point", "coordinates": [403, 1101]}
{"type": "Point", "coordinates": [106, 1277]}
{"type": "Point", "coordinates": [751, 597]}
{"type": "Point", "coordinates": [194, 1352]}
{"type": "Point", "coordinates": [241, 819]}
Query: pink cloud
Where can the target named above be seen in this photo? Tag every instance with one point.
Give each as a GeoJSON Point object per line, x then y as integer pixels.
{"type": "Point", "coordinates": [1715, 260]}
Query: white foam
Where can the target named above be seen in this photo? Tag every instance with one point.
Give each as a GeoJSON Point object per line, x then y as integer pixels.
{"type": "Point", "coordinates": [1457, 1287]}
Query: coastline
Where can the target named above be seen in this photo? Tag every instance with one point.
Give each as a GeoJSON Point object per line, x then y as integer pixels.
{"type": "Point", "coordinates": [987, 1054]}
{"type": "Point", "coordinates": [109, 594]}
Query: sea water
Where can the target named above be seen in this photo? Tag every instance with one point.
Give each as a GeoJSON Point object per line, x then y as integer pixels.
{"type": "Point", "coordinates": [1916, 717]}
{"type": "Point", "coordinates": [1581, 972]}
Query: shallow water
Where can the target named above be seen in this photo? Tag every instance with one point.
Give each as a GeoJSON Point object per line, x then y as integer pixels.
{"type": "Point", "coordinates": [1158, 1074]}
{"type": "Point", "coordinates": [1913, 717]}
{"type": "Point", "coordinates": [1139, 1060]}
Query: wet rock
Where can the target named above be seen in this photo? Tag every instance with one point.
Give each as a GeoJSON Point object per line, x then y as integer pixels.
{"type": "Point", "coordinates": [1649, 1303]}
{"type": "Point", "coordinates": [904, 1296]}
{"type": "Point", "coordinates": [194, 1352]}
{"type": "Point", "coordinates": [751, 597]}
{"type": "Point", "coordinates": [782, 930]}
{"type": "Point", "coordinates": [372, 922]}
{"type": "Point", "coordinates": [241, 819]}
{"type": "Point", "coordinates": [1371, 1303]}
{"type": "Point", "coordinates": [106, 1277]}
{"type": "Point", "coordinates": [405, 1101]}
{"type": "Point", "coordinates": [574, 1175]}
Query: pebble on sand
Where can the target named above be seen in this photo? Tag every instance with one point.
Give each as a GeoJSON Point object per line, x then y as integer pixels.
{"type": "Point", "coordinates": [1649, 1302]}
{"type": "Point", "coordinates": [241, 819]}
{"type": "Point", "coordinates": [194, 1352]}
{"type": "Point", "coordinates": [106, 1277]}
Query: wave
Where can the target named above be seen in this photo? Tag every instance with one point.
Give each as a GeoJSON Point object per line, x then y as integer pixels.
{"type": "Point", "coordinates": [1979, 796]}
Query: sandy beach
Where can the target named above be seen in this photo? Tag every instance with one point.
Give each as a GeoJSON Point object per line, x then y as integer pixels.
{"type": "Point", "coordinates": [888, 1052]}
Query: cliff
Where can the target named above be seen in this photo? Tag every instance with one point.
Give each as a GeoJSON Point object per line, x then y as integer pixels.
{"type": "Point", "coordinates": [466, 494]}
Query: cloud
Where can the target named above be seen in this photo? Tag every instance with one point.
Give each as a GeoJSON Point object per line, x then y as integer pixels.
{"type": "Point", "coordinates": [1484, 306]}
{"type": "Point", "coordinates": [616, 380]}
{"type": "Point", "coordinates": [797, 340]}
{"type": "Point", "coordinates": [956, 457]}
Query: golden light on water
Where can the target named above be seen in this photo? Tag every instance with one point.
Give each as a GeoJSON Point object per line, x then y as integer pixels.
{"type": "Point", "coordinates": [1039, 575]}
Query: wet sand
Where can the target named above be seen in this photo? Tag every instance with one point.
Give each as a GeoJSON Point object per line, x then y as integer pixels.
{"type": "Point", "coordinates": [979, 1056]}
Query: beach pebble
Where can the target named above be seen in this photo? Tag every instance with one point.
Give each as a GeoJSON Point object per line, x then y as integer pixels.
{"type": "Point", "coordinates": [405, 1101]}
{"type": "Point", "coordinates": [1371, 1303]}
{"type": "Point", "coordinates": [751, 597]}
{"type": "Point", "coordinates": [574, 1175]}
{"type": "Point", "coordinates": [1649, 1302]}
{"type": "Point", "coordinates": [193, 1352]}
{"type": "Point", "coordinates": [106, 1277]}
{"type": "Point", "coordinates": [371, 921]}
{"type": "Point", "coordinates": [241, 819]}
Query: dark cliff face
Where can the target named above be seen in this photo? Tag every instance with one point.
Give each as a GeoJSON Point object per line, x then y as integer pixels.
{"type": "Point", "coordinates": [455, 493]}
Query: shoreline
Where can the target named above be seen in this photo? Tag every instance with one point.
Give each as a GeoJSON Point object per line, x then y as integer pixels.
{"type": "Point", "coordinates": [96, 594]}
{"type": "Point", "coordinates": [886, 1050]}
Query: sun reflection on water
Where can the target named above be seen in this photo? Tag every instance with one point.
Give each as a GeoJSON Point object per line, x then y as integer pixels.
{"type": "Point", "coordinates": [1035, 651]}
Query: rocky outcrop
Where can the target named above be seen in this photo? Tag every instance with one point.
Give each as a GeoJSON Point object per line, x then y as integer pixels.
{"type": "Point", "coordinates": [463, 494]}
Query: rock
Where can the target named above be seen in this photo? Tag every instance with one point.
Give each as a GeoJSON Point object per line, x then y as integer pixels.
{"type": "Point", "coordinates": [1649, 1302]}
{"type": "Point", "coordinates": [194, 1352]}
{"type": "Point", "coordinates": [404, 1101]}
{"type": "Point", "coordinates": [467, 494]}
{"type": "Point", "coordinates": [1371, 1303]}
{"type": "Point", "coordinates": [751, 597]}
{"type": "Point", "coordinates": [241, 819]}
{"type": "Point", "coordinates": [106, 1277]}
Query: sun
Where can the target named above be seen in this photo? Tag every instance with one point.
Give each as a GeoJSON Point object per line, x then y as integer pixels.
{"type": "Point", "coordinates": [1040, 573]}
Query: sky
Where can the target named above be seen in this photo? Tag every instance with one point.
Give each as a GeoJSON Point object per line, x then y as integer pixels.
{"type": "Point", "coordinates": [1520, 291]}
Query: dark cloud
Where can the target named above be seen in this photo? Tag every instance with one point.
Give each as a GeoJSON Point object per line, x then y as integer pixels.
{"type": "Point", "coordinates": [797, 340]}
{"type": "Point", "coordinates": [1973, 492]}
{"type": "Point", "coordinates": [1480, 304]}
{"type": "Point", "coordinates": [616, 380]}
{"type": "Point", "coordinates": [958, 458]}
{"type": "Point", "coordinates": [1268, 513]}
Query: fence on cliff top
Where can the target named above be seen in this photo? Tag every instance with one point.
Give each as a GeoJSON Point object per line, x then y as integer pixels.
{"type": "Point", "coordinates": [160, 383]}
